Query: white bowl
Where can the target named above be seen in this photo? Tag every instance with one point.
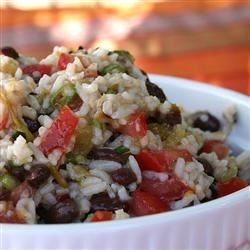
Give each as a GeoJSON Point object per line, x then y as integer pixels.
{"type": "Point", "coordinates": [219, 224]}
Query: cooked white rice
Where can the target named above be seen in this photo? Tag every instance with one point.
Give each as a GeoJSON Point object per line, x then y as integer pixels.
{"type": "Point", "coordinates": [104, 106]}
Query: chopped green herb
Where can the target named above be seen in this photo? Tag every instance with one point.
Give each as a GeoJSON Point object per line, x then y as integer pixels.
{"type": "Point", "coordinates": [112, 68]}
{"type": "Point", "coordinates": [63, 96]}
{"type": "Point", "coordinates": [8, 181]}
{"type": "Point", "coordinates": [71, 158]}
{"type": "Point", "coordinates": [58, 176]}
{"type": "Point", "coordinates": [18, 124]}
{"type": "Point", "coordinates": [111, 91]}
{"type": "Point", "coordinates": [16, 134]}
{"type": "Point", "coordinates": [231, 172]}
{"type": "Point", "coordinates": [121, 150]}
{"type": "Point", "coordinates": [12, 164]}
{"type": "Point", "coordinates": [124, 54]}
{"type": "Point", "coordinates": [80, 159]}
{"type": "Point", "coordinates": [46, 111]}
{"type": "Point", "coordinates": [83, 143]}
{"type": "Point", "coordinates": [96, 124]}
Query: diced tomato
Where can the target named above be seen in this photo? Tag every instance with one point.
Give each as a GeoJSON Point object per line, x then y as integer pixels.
{"type": "Point", "coordinates": [41, 68]}
{"type": "Point", "coordinates": [145, 203]}
{"type": "Point", "coordinates": [10, 217]}
{"type": "Point", "coordinates": [102, 216]}
{"type": "Point", "coordinates": [171, 189]}
{"type": "Point", "coordinates": [233, 185]}
{"type": "Point", "coordinates": [151, 160]}
{"type": "Point", "coordinates": [172, 154]}
{"type": "Point", "coordinates": [64, 60]}
{"type": "Point", "coordinates": [60, 133]}
{"type": "Point", "coordinates": [136, 125]}
{"type": "Point", "coordinates": [161, 161]}
{"type": "Point", "coordinates": [16, 193]}
{"type": "Point", "coordinates": [216, 146]}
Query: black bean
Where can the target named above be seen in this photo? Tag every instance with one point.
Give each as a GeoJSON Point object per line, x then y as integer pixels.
{"type": "Point", "coordinates": [123, 176]}
{"type": "Point", "coordinates": [41, 211]}
{"type": "Point", "coordinates": [18, 171]}
{"type": "Point", "coordinates": [213, 189]}
{"type": "Point", "coordinates": [103, 202]}
{"type": "Point", "coordinates": [10, 52]}
{"type": "Point", "coordinates": [172, 118]}
{"type": "Point", "coordinates": [208, 169]}
{"type": "Point", "coordinates": [63, 166]}
{"type": "Point", "coordinates": [16, 134]}
{"type": "Point", "coordinates": [107, 154]}
{"type": "Point", "coordinates": [154, 90]}
{"type": "Point", "coordinates": [38, 175]}
{"type": "Point", "coordinates": [114, 136]}
{"type": "Point", "coordinates": [4, 194]}
{"type": "Point", "coordinates": [144, 73]}
{"type": "Point", "coordinates": [205, 121]}
{"type": "Point", "coordinates": [36, 78]}
{"type": "Point", "coordinates": [152, 119]}
{"type": "Point", "coordinates": [86, 215]}
{"type": "Point", "coordinates": [213, 193]}
{"type": "Point", "coordinates": [115, 133]}
{"type": "Point", "coordinates": [65, 211]}
{"type": "Point", "coordinates": [33, 125]}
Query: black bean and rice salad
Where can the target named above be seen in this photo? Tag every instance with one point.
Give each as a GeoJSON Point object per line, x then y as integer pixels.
{"type": "Point", "coordinates": [85, 136]}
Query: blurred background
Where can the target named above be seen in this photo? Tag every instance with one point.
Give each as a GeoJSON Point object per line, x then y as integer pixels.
{"type": "Point", "coordinates": [207, 40]}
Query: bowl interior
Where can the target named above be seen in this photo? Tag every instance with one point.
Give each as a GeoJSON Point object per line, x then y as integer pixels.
{"type": "Point", "coordinates": [195, 96]}
{"type": "Point", "coordinates": [192, 96]}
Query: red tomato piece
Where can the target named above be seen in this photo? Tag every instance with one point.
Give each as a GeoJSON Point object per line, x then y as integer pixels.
{"type": "Point", "coordinates": [161, 161]}
{"type": "Point", "coordinates": [216, 146]}
{"type": "Point", "coordinates": [168, 190]}
{"type": "Point", "coordinates": [145, 203]}
{"type": "Point", "coordinates": [136, 125]}
{"type": "Point", "coordinates": [171, 155]}
{"type": "Point", "coordinates": [64, 60]}
{"type": "Point", "coordinates": [9, 215]}
{"type": "Point", "coordinates": [151, 160]}
{"type": "Point", "coordinates": [231, 186]}
{"type": "Point", "coordinates": [10, 218]}
{"type": "Point", "coordinates": [40, 68]}
{"type": "Point", "coordinates": [102, 216]}
{"type": "Point", "coordinates": [60, 133]}
{"type": "Point", "coordinates": [19, 190]}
